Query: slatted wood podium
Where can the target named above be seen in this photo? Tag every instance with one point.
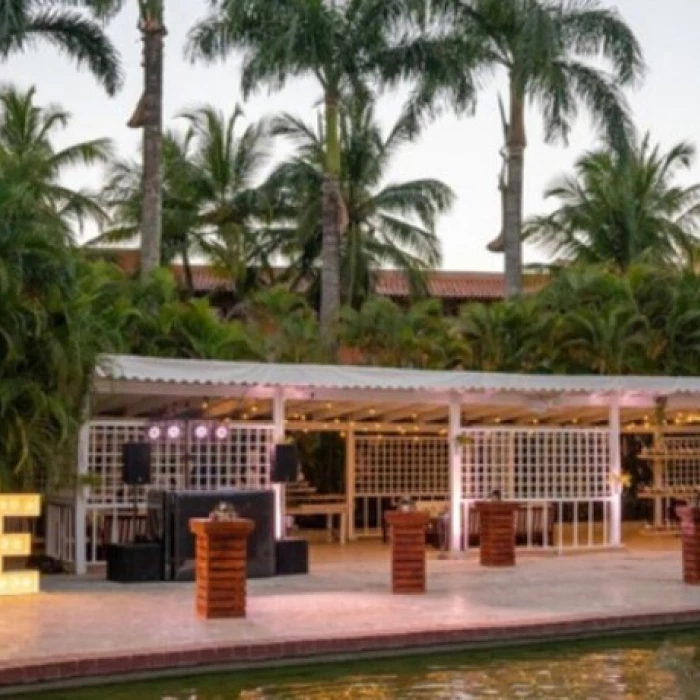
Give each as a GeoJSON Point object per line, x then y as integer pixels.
{"type": "Point", "coordinates": [690, 542]}
{"type": "Point", "coordinates": [497, 536]}
{"type": "Point", "coordinates": [407, 551]}
{"type": "Point", "coordinates": [220, 565]}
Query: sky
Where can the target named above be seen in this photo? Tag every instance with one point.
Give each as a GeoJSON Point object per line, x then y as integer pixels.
{"type": "Point", "coordinates": [461, 151]}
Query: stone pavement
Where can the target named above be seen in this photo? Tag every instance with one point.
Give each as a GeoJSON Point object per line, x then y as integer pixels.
{"type": "Point", "coordinates": [89, 626]}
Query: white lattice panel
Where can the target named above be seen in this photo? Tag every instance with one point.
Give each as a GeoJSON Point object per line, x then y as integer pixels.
{"type": "Point", "coordinates": [682, 465]}
{"type": "Point", "coordinates": [239, 460]}
{"type": "Point", "coordinates": [398, 466]}
{"type": "Point", "coordinates": [536, 464]}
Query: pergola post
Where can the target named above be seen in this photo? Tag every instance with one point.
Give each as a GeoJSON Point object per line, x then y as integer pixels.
{"type": "Point", "coordinates": [80, 520]}
{"type": "Point", "coordinates": [350, 482]}
{"type": "Point", "coordinates": [615, 473]}
{"type": "Point", "coordinates": [278, 430]}
{"type": "Point", "coordinates": [657, 466]}
{"type": "Point", "coordinates": [455, 472]}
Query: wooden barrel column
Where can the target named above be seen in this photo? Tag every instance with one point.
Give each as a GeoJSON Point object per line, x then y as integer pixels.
{"type": "Point", "coordinates": [496, 533]}
{"type": "Point", "coordinates": [407, 551]}
{"type": "Point", "coordinates": [221, 563]}
{"type": "Point", "coordinates": [690, 542]}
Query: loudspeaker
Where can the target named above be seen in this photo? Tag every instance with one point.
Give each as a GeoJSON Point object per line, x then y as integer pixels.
{"type": "Point", "coordinates": [285, 462]}
{"type": "Point", "coordinates": [135, 563]}
{"type": "Point", "coordinates": [136, 463]}
{"type": "Point", "coordinates": [292, 556]}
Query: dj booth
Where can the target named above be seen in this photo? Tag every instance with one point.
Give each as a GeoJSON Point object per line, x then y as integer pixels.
{"type": "Point", "coordinates": [168, 519]}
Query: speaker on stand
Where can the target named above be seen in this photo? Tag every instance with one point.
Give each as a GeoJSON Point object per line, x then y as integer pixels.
{"type": "Point", "coordinates": [129, 562]}
{"type": "Point", "coordinates": [285, 470]}
{"type": "Point", "coordinates": [285, 463]}
{"type": "Point", "coordinates": [136, 472]}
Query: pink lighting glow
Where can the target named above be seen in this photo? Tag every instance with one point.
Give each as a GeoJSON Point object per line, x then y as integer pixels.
{"type": "Point", "coordinates": [154, 432]}
{"type": "Point", "coordinates": [174, 432]}
{"type": "Point", "coordinates": [221, 432]}
{"type": "Point", "coordinates": [201, 431]}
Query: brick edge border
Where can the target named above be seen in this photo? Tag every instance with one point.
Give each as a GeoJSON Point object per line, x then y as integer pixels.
{"type": "Point", "coordinates": [75, 670]}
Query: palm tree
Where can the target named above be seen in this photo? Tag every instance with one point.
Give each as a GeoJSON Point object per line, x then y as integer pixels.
{"type": "Point", "coordinates": [505, 337]}
{"type": "Point", "coordinates": [389, 336]}
{"type": "Point", "coordinates": [22, 22]}
{"type": "Point", "coordinates": [341, 45]}
{"type": "Point", "coordinates": [599, 326]}
{"type": "Point", "coordinates": [40, 372]}
{"type": "Point", "coordinates": [122, 196]}
{"type": "Point", "coordinates": [148, 116]}
{"type": "Point", "coordinates": [213, 202]}
{"type": "Point", "coordinates": [236, 208]}
{"type": "Point", "coordinates": [607, 341]}
{"type": "Point", "coordinates": [283, 327]}
{"type": "Point", "coordinates": [387, 223]}
{"type": "Point", "coordinates": [32, 167]}
{"type": "Point", "coordinates": [670, 304]}
{"type": "Point", "coordinates": [550, 50]}
{"type": "Point", "coordinates": [623, 207]}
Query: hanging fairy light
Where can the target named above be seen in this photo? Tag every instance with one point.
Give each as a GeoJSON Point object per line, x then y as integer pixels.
{"type": "Point", "coordinates": [154, 433]}
{"type": "Point", "coordinates": [221, 432]}
{"type": "Point", "coordinates": [201, 431]}
{"type": "Point", "coordinates": [174, 431]}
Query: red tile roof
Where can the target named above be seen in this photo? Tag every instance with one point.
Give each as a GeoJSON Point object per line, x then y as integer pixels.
{"type": "Point", "coordinates": [446, 285]}
{"type": "Point", "coordinates": [442, 284]}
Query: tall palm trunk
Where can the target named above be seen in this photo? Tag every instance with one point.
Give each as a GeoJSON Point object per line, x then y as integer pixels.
{"type": "Point", "coordinates": [149, 116]}
{"type": "Point", "coordinates": [331, 213]}
{"type": "Point", "coordinates": [187, 271]}
{"type": "Point", "coordinates": [513, 194]}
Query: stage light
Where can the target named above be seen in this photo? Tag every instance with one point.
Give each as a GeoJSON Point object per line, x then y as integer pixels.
{"type": "Point", "coordinates": [174, 432]}
{"type": "Point", "coordinates": [154, 432]}
{"type": "Point", "coordinates": [15, 505]}
{"type": "Point", "coordinates": [201, 431]}
{"type": "Point", "coordinates": [221, 432]}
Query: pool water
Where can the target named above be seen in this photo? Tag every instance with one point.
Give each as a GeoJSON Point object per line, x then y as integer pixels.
{"type": "Point", "coordinates": [651, 668]}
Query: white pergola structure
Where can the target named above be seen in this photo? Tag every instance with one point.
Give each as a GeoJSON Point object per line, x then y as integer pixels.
{"type": "Point", "coordinates": [441, 436]}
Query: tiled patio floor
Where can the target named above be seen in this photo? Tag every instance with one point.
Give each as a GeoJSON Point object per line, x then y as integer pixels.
{"type": "Point", "coordinates": [346, 596]}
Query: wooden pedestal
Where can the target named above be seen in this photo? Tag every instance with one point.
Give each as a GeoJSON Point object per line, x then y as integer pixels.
{"type": "Point", "coordinates": [690, 540]}
{"type": "Point", "coordinates": [497, 533]}
{"type": "Point", "coordinates": [220, 570]}
{"type": "Point", "coordinates": [407, 551]}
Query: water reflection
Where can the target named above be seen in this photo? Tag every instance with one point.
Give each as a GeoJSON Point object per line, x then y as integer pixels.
{"type": "Point", "coordinates": [625, 674]}
{"type": "Point", "coordinates": [640, 669]}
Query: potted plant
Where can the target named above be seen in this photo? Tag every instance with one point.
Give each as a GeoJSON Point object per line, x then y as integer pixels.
{"type": "Point", "coordinates": [84, 482]}
{"type": "Point", "coordinates": [464, 439]}
{"type": "Point", "coordinates": [620, 481]}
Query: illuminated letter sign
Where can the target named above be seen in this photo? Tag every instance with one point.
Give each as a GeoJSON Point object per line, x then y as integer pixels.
{"type": "Point", "coordinates": [17, 505]}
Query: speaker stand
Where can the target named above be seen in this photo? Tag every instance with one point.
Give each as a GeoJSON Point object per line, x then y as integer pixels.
{"type": "Point", "coordinates": [135, 512]}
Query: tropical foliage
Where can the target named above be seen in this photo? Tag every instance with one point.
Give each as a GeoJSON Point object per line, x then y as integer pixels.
{"type": "Point", "coordinates": [32, 167]}
{"type": "Point", "coordinates": [148, 116]}
{"type": "Point", "coordinates": [213, 201]}
{"type": "Point", "coordinates": [551, 52]}
{"type": "Point", "coordinates": [389, 224]}
{"type": "Point", "coordinates": [348, 45]}
{"type": "Point", "coordinates": [623, 206]}
{"type": "Point", "coordinates": [627, 300]}
{"type": "Point", "coordinates": [24, 22]}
